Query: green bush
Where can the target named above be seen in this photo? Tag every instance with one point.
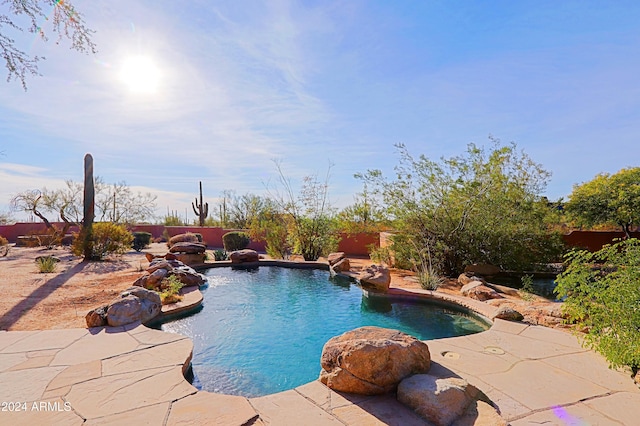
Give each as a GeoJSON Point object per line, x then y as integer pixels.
{"type": "Point", "coordinates": [106, 238]}
{"type": "Point", "coordinates": [141, 240]}
{"type": "Point", "coordinates": [602, 296]}
{"type": "Point", "coordinates": [235, 240]}
{"type": "Point", "coordinates": [219, 255]}
{"type": "Point", "coordinates": [46, 264]}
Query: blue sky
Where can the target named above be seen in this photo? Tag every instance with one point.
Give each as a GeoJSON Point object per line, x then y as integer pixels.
{"type": "Point", "coordinates": [240, 83]}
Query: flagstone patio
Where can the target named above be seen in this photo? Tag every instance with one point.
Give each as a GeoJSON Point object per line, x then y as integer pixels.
{"type": "Point", "coordinates": [134, 375]}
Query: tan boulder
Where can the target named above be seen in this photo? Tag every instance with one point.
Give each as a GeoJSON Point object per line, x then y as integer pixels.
{"type": "Point", "coordinates": [482, 293]}
{"type": "Point", "coordinates": [439, 401]}
{"type": "Point", "coordinates": [191, 258]}
{"type": "Point", "coordinates": [375, 277]}
{"type": "Point", "coordinates": [470, 286]}
{"type": "Point", "coordinates": [372, 360]}
{"type": "Point", "coordinates": [188, 247]}
{"type": "Point", "coordinates": [183, 238]}
{"type": "Point", "coordinates": [244, 256]}
{"type": "Point", "coordinates": [97, 317]}
{"type": "Point", "coordinates": [336, 257]}
{"type": "Point", "coordinates": [342, 265]}
{"type": "Point", "coordinates": [508, 313]}
{"type": "Point", "coordinates": [124, 311]}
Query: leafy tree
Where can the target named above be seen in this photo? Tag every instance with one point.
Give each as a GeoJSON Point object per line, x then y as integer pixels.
{"type": "Point", "coordinates": [58, 16]}
{"type": "Point", "coordinates": [306, 216]}
{"type": "Point", "coordinates": [480, 207]}
{"type": "Point", "coordinates": [238, 211]}
{"type": "Point", "coordinates": [366, 214]}
{"type": "Point", "coordinates": [602, 296]}
{"type": "Point", "coordinates": [114, 203]}
{"type": "Point", "coordinates": [271, 226]}
{"type": "Point", "coordinates": [608, 199]}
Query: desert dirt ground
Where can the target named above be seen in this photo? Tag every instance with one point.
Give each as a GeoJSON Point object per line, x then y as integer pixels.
{"type": "Point", "coordinates": [31, 300]}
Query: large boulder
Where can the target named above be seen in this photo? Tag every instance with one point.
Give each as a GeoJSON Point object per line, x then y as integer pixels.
{"type": "Point", "coordinates": [188, 247]}
{"type": "Point", "coordinates": [479, 291]}
{"type": "Point", "coordinates": [442, 401]}
{"type": "Point", "coordinates": [97, 317]}
{"type": "Point", "coordinates": [244, 256]}
{"type": "Point", "coordinates": [507, 313]}
{"type": "Point", "coordinates": [336, 257]}
{"type": "Point", "coordinates": [342, 265]}
{"type": "Point", "coordinates": [183, 238]}
{"type": "Point", "coordinates": [375, 277]}
{"type": "Point", "coordinates": [135, 304]}
{"type": "Point", "coordinates": [191, 258]}
{"type": "Point", "coordinates": [124, 311]}
{"type": "Point", "coordinates": [372, 360]}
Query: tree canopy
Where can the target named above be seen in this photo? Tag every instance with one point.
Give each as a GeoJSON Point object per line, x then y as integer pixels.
{"type": "Point", "coordinates": [40, 17]}
{"type": "Point", "coordinates": [608, 200]}
{"type": "Point", "coordinates": [481, 207]}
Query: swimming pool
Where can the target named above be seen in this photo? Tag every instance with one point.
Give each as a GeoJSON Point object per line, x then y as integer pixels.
{"type": "Point", "coordinates": [262, 331]}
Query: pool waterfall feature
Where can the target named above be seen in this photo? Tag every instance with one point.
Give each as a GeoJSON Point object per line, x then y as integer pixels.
{"type": "Point", "coordinates": [261, 330]}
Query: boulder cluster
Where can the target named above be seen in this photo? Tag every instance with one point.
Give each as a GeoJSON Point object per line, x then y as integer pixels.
{"type": "Point", "coordinates": [187, 248]}
{"type": "Point", "coordinates": [134, 304]}
{"type": "Point", "coordinates": [142, 302]}
{"type": "Point", "coordinates": [161, 267]}
{"type": "Point", "coordinates": [373, 360]}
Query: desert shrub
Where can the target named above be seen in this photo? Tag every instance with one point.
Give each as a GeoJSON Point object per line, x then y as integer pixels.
{"type": "Point", "coordinates": [602, 296]}
{"type": "Point", "coordinates": [141, 240]}
{"type": "Point", "coordinates": [235, 240]}
{"type": "Point", "coordinates": [46, 264]}
{"type": "Point", "coordinates": [380, 255]}
{"type": "Point", "coordinates": [220, 255]}
{"type": "Point", "coordinates": [106, 238]}
{"type": "Point", "coordinates": [4, 246]}
{"type": "Point", "coordinates": [171, 290]}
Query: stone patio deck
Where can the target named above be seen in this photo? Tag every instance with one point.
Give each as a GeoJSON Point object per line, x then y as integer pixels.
{"type": "Point", "coordinates": [134, 375]}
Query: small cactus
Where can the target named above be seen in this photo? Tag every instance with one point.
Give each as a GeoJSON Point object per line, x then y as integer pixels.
{"type": "Point", "coordinates": [201, 210]}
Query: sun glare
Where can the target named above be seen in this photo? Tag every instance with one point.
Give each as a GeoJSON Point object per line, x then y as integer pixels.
{"type": "Point", "coordinates": [140, 74]}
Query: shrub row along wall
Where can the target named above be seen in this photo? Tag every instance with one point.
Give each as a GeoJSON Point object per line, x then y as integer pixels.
{"type": "Point", "coordinates": [354, 245]}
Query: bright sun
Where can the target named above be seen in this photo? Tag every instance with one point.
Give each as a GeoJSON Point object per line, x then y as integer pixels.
{"type": "Point", "coordinates": [140, 74]}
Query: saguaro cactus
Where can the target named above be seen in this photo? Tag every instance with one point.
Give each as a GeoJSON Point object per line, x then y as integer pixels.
{"type": "Point", "coordinates": [89, 206]}
{"type": "Point", "coordinates": [201, 210]}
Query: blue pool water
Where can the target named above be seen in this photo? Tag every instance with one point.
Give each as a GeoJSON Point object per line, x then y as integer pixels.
{"type": "Point", "coordinates": [262, 331]}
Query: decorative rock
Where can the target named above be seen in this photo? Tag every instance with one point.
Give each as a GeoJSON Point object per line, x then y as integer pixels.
{"type": "Point", "coordinates": [97, 317]}
{"type": "Point", "coordinates": [440, 401]}
{"type": "Point", "coordinates": [244, 256]}
{"type": "Point", "coordinates": [342, 265]}
{"type": "Point", "coordinates": [188, 276]}
{"type": "Point", "coordinates": [480, 414]}
{"type": "Point", "coordinates": [150, 302]}
{"type": "Point", "coordinates": [183, 238]}
{"type": "Point", "coordinates": [508, 313]}
{"type": "Point", "coordinates": [376, 277]}
{"type": "Point", "coordinates": [372, 360]}
{"type": "Point", "coordinates": [482, 293]}
{"type": "Point", "coordinates": [191, 258]}
{"type": "Point", "coordinates": [186, 247]}
{"type": "Point", "coordinates": [482, 269]}
{"type": "Point", "coordinates": [467, 278]}
{"type": "Point", "coordinates": [163, 264]}
{"type": "Point", "coordinates": [154, 278]}
{"type": "Point", "coordinates": [334, 258]}
{"type": "Point", "coordinates": [136, 304]}
{"type": "Point", "coordinates": [124, 311]}
{"type": "Point", "coordinates": [469, 286]}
